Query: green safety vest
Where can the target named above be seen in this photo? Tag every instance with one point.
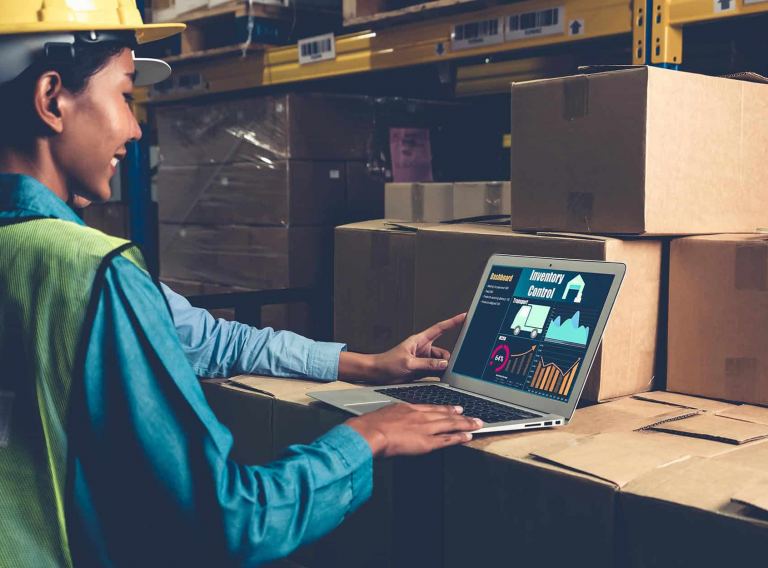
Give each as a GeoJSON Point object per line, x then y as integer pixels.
{"type": "Point", "coordinates": [51, 275]}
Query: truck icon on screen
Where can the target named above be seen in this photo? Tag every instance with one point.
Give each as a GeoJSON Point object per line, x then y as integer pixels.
{"type": "Point", "coordinates": [531, 319]}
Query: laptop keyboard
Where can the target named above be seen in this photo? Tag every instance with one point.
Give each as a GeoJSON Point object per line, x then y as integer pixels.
{"type": "Point", "coordinates": [487, 411]}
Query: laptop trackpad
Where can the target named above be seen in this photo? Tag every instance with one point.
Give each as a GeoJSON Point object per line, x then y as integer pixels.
{"type": "Point", "coordinates": [365, 407]}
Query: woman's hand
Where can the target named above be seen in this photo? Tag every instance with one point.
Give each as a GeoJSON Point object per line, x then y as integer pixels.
{"type": "Point", "coordinates": [415, 358]}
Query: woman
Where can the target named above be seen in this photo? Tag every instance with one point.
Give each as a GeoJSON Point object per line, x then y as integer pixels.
{"type": "Point", "coordinates": [109, 454]}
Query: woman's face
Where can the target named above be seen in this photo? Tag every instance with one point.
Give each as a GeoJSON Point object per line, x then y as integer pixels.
{"type": "Point", "coordinates": [96, 127]}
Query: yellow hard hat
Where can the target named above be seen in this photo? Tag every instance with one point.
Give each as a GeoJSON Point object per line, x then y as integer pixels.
{"type": "Point", "coordinates": [44, 16]}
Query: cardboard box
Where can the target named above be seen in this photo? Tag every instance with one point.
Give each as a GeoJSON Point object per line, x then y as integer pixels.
{"type": "Point", "coordinates": [686, 514]}
{"type": "Point", "coordinates": [609, 153]}
{"type": "Point", "coordinates": [286, 192]}
{"type": "Point", "coordinates": [420, 202]}
{"type": "Point", "coordinates": [398, 527]}
{"type": "Point", "coordinates": [718, 346]}
{"type": "Point", "coordinates": [275, 127]}
{"type": "Point", "coordinates": [365, 193]}
{"type": "Point", "coordinates": [450, 261]}
{"type": "Point", "coordinates": [436, 202]}
{"type": "Point", "coordinates": [373, 285]}
{"type": "Point", "coordinates": [521, 492]}
{"type": "Point", "coordinates": [481, 199]}
{"type": "Point", "coordinates": [259, 258]}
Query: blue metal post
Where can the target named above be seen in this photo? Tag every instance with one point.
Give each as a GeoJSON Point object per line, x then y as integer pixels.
{"type": "Point", "coordinates": [650, 19]}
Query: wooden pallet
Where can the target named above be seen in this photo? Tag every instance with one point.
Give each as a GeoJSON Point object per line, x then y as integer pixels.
{"type": "Point", "coordinates": [376, 13]}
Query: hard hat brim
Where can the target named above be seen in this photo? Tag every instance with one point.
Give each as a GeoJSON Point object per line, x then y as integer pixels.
{"type": "Point", "coordinates": [145, 33]}
{"type": "Point", "coordinates": [150, 72]}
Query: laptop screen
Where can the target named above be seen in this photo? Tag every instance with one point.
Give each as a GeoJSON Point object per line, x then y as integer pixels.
{"type": "Point", "coordinates": [531, 329]}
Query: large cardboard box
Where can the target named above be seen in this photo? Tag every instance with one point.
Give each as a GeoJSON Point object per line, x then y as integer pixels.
{"type": "Point", "coordinates": [398, 527]}
{"type": "Point", "coordinates": [374, 281]}
{"type": "Point", "coordinates": [286, 192]}
{"type": "Point", "coordinates": [555, 490]}
{"type": "Point", "coordinates": [450, 261]}
{"type": "Point", "coordinates": [642, 150]}
{"type": "Point", "coordinates": [718, 317]}
{"type": "Point", "coordinates": [258, 258]}
{"type": "Point", "coordinates": [689, 514]}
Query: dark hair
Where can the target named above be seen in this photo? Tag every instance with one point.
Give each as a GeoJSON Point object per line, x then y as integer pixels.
{"type": "Point", "coordinates": [17, 117]}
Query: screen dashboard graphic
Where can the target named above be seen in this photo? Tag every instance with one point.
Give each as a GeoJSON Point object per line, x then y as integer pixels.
{"type": "Point", "coordinates": [531, 329]}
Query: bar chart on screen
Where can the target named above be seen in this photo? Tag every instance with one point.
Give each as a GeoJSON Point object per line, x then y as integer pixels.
{"type": "Point", "coordinates": [550, 377]}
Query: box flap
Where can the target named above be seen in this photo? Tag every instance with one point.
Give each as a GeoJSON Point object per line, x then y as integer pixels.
{"type": "Point", "coordinates": [589, 69]}
{"type": "Point", "coordinates": [747, 412]}
{"type": "Point", "coordinates": [685, 401]}
{"type": "Point", "coordinates": [755, 495]}
{"type": "Point", "coordinates": [716, 428]}
{"type": "Point", "coordinates": [577, 236]}
{"type": "Point", "coordinates": [516, 445]}
{"type": "Point", "coordinates": [290, 390]}
{"type": "Point", "coordinates": [618, 457]}
{"type": "Point", "coordinates": [696, 482]}
{"type": "Point", "coordinates": [382, 225]}
{"type": "Point", "coordinates": [747, 76]}
{"type": "Point", "coordinates": [753, 455]}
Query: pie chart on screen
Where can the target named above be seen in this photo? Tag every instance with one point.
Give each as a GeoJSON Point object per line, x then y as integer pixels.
{"type": "Point", "coordinates": [499, 357]}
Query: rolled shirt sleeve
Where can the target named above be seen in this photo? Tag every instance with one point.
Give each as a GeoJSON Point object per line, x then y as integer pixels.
{"type": "Point", "coordinates": [217, 348]}
{"type": "Point", "coordinates": [150, 482]}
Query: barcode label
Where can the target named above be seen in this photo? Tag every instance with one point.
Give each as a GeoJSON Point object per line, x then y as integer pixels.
{"type": "Point", "coordinates": [319, 48]}
{"type": "Point", "coordinates": [544, 22]}
{"type": "Point", "coordinates": [475, 34]}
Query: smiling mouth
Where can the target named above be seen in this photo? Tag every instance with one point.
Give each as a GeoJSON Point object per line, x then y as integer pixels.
{"type": "Point", "coordinates": [114, 163]}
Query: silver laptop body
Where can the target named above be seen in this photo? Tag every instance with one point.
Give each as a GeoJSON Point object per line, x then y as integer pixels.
{"type": "Point", "coordinates": [528, 343]}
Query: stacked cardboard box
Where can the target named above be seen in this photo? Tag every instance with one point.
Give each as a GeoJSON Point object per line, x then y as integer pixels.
{"type": "Point", "coordinates": [617, 484]}
{"type": "Point", "coordinates": [436, 202]}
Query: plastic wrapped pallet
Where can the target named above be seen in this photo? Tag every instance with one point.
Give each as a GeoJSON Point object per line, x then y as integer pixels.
{"type": "Point", "coordinates": [265, 129]}
{"type": "Point", "coordinates": [253, 193]}
{"type": "Point", "coordinates": [258, 258]}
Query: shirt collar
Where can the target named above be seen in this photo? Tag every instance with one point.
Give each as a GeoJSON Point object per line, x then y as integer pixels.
{"type": "Point", "coordinates": [24, 196]}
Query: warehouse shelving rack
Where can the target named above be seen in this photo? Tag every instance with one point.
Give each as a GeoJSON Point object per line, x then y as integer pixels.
{"type": "Point", "coordinates": [656, 40]}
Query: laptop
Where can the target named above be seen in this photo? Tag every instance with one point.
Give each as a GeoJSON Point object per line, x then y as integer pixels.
{"type": "Point", "coordinates": [524, 351]}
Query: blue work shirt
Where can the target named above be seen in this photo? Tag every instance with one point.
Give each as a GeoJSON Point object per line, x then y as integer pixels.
{"type": "Point", "coordinates": [149, 481]}
{"type": "Point", "coordinates": [218, 348]}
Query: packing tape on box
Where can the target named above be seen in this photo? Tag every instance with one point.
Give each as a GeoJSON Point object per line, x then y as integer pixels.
{"type": "Point", "coordinates": [742, 369]}
{"type": "Point", "coordinates": [494, 198]}
{"type": "Point", "coordinates": [417, 201]}
{"type": "Point", "coordinates": [580, 207]}
{"type": "Point", "coordinates": [379, 249]}
{"type": "Point", "coordinates": [752, 266]}
{"type": "Point", "coordinates": [575, 97]}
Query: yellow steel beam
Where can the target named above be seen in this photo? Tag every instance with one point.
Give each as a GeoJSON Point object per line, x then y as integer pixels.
{"type": "Point", "coordinates": [683, 12]}
{"type": "Point", "coordinates": [401, 46]}
{"type": "Point", "coordinates": [639, 24]}
{"type": "Point", "coordinates": [493, 78]}
{"type": "Point", "coordinates": [670, 16]}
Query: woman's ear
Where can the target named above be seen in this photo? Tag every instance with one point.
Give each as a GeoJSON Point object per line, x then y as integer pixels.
{"type": "Point", "coordinates": [49, 100]}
